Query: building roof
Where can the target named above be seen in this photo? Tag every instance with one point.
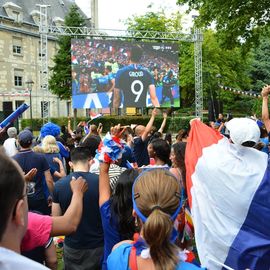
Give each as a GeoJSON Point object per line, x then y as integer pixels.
{"type": "Point", "coordinates": [58, 9]}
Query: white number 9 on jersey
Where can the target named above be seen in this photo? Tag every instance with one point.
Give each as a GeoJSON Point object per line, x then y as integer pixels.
{"type": "Point", "coordinates": [139, 92]}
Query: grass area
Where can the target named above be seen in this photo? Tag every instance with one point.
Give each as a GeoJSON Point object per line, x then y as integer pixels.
{"type": "Point", "coordinates": [167, 104]}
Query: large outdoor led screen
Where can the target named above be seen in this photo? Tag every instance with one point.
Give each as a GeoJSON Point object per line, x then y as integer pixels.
{"type": "Point", "coordinates": [120, 74]}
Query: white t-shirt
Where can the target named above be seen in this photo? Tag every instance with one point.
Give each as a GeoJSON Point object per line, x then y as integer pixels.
{"type": "Point", "coordinates": [114, 172]}
{"type": "Point", "coordinates": [10, 260]}
{"type": "Point", "coordinates": [10, 147]}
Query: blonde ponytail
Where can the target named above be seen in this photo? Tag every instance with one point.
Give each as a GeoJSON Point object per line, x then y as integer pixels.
{"type": "Point", "coordinates": [156, 201]}
{"type": "Point", "coordinates": [157, 231]}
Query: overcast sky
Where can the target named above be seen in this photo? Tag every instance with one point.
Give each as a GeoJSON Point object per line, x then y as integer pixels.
{"type": "Point", "coordinates": [112, 14]}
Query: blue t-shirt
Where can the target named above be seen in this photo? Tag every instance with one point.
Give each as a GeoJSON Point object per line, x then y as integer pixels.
{"type": "Point", "coordinates": [134, 81]}
{"type": "Point", "coordinates": [110, 229]}
{"type": "Point", "coordinates": [265, 141]}
{"type": "Point", "coordinates": [140, 151]}
{"type": "Point", "coordinates": [63, 151]}
{"type": "Point", "coordinates": [119, 259]}
{"type": "Point", "coordinates": [89, 234]}
{"type": "Point", "coordinates": [127, 155]}
{"type": "Point", "coordinates": [169, 81]}
{"type": "Point", "coordinates": [54, 166]}
{"type": "Point", "coordinates": [28, 160]}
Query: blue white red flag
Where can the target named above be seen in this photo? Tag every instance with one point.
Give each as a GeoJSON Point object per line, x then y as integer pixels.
{"type": "Point", "coordinates": [94, 115]}
{"type": "Point", "coordinates": [111, 49]}
{"type": "Point", "coordinates": [229, 193]}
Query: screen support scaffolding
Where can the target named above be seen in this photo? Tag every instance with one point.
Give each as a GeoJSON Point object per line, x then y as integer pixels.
{"type": "Point", "coordinates": [45, 30]}
{"type": "Point", "coordinates": [44, 78]}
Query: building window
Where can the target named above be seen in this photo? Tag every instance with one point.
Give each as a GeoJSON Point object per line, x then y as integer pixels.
{"type": "Point", "coordinates": [17, 49]}
{"type": "Point", "coordinates": [16, 16]}
{"type": "Point", "coordinates": [18, 77]}
{"type": "Point", "coordinates": [17, 45]}
{"type": "Point", "coordinates": [69, 108]}
{"type": "Point", "coordinates": [18, 80]}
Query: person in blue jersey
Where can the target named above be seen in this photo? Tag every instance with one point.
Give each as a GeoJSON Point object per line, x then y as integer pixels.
{"type": "Point", "coordinates": [75, 83]}
{"type": "Point", "coordinates": [106, 82]}
{"type": "Point", "coordinates": [116, 209]}
{"type": "Point", "coordinates": [168, 82]}
{"type": "Point", "coordinates": [28, 160]}
{"type": "Point", "coordinates": [156, 196]}
{"type": "Point", "coordinates": [133, 83]}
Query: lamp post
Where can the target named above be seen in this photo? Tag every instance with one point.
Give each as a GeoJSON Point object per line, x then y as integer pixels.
{"type": "Point", "coordinates": [29, 84]}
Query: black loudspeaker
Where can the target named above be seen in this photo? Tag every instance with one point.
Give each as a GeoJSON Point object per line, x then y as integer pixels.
{"type": "Point", "coordinates": [214, 108]}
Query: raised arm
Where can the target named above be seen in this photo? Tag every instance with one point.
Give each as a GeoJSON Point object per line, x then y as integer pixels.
{"type": "Point", "coordinates": [149, 125]}
{"type": "Point", "coordinates": [100, 129]}
{"type": "Point", "coordinates": [104, 183]}
{"type": "Point", "coordinates": [113, 85]}
{"type": "Point", "coordinates": [153, 95]}
{"type": "Point", "coordinates": [88, 135]}
{"type": "Point", "coordinates": [116, 98]}
{"type": "Point", "coordinates": [69, 127]}
{"type": "Point", "coordinates": [61, 172]}
{"type": "Point", "coordinates": [163, 124]}
{"type": "Point", "coordinates": [221, 127]}
{"type": "Point", "coordinates": [265, 111]}
{"type": "Point", "coordinates": [68, 223]}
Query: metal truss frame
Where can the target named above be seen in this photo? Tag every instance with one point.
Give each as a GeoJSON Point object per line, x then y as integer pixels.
{"type": "Point", "coordinates": [49, 30]}
{"type": "Point", "coordinates": [198, 73]}
{"type": "Point", "coordinates": [44, 77]}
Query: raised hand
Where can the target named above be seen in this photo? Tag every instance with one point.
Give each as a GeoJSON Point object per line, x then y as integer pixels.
{"type": "Point", "coordinates": [78, 185]}
{"type": "Point", "coordinates": [117, 130]}
{"type": "Point", "coordinates": [265, 91]}
{"type": "Point", "coordinates": [30, 175]}
{"type": "Point", "coordinates": [154, 112]}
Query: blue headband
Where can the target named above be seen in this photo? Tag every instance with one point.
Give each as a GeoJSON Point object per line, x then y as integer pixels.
{"type": "Point", "coordinates": [136, 195]}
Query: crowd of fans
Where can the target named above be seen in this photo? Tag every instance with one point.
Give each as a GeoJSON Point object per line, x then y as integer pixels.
{"type": "Point", "coordinates": [93, 62]}
{"type": "Point", "coordinates": [115, 214]}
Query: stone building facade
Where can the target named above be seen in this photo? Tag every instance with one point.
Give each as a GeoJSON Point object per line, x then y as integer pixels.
{"type": "Point", "coordinates": [20, 55]}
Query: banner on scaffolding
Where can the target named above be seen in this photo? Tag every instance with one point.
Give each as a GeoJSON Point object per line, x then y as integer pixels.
{"type": "Point", "coordinates": [120, 74]}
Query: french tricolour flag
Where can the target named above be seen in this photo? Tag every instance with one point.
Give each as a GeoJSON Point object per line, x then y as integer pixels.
{"type": "Point", "coordinates": [229, 194]}
{"type": "Point", "coordinates": [94, 115]}
{"type": "Point", "coordinates": [111, 49]}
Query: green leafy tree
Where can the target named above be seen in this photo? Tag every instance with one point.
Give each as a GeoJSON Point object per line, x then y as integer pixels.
{"type": "Point", "coordinates": [230, 63]}
{"type": "Point", "coordinates": [235, 20]}
{"type": "Point", "coordinates": [152, 21]}
{"type": "Point", "coordinates": [260, 65]}
{"type": "Point", "coordinates": [60, 81]}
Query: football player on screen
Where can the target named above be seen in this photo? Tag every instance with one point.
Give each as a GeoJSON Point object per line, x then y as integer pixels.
{"type": "Point", "coordinates": [133, 82]}
{"type": "Point", "coordinates": [168, 81]}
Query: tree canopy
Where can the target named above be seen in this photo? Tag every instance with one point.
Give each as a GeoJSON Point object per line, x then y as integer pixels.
{"type": "Point", "coordinates": [152, 21]}
{"type": "Point", "coordinates": [60, 80]}
{"type": "Point", "coordinates": [237, 21]}
{"type": "Point", "coordinates": [260, 66]}
{"type": "Point", "coordinates": [230, 63]}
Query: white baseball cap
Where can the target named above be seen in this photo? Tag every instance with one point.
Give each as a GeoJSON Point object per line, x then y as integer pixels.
{"type": "Point", "coordinates": [243, 130]}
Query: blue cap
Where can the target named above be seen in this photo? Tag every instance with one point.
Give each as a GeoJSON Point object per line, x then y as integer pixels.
{"type": "Point", "coordinates": [25, 137]}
